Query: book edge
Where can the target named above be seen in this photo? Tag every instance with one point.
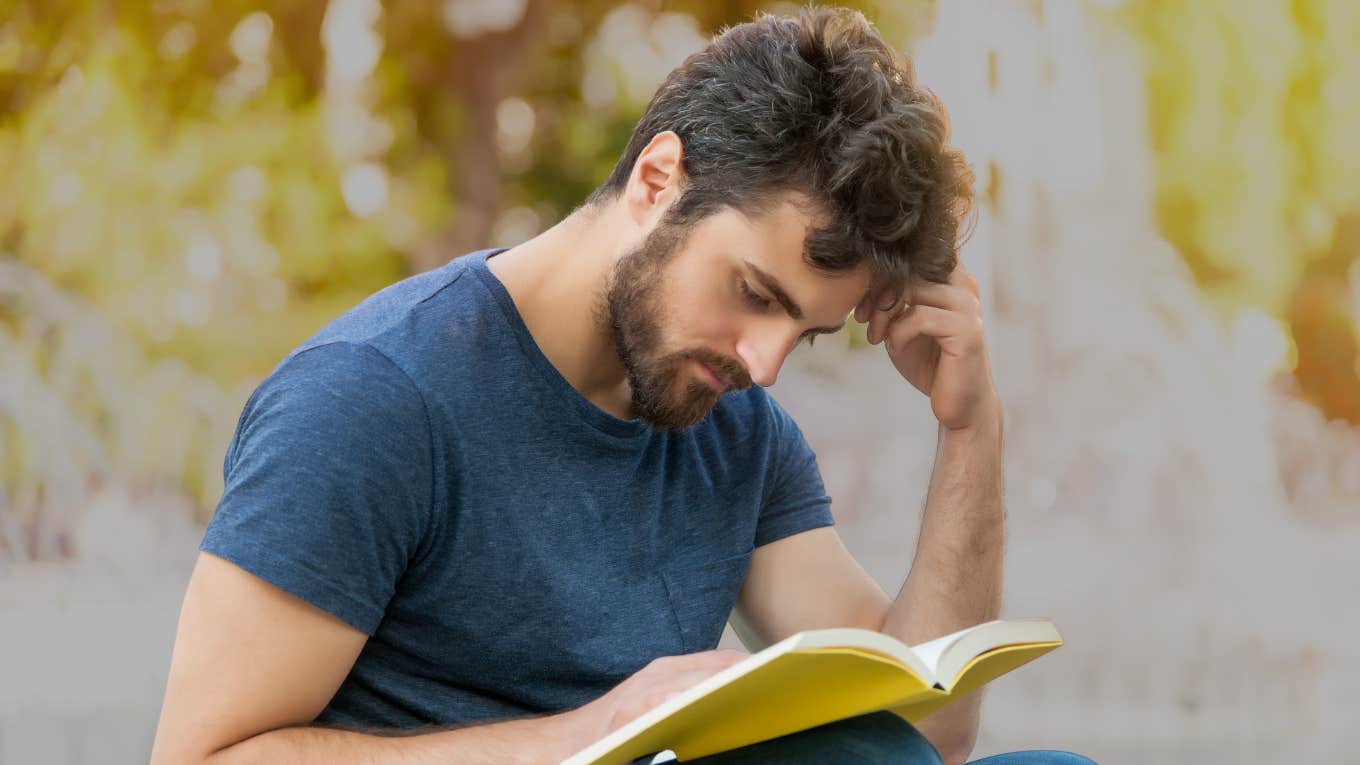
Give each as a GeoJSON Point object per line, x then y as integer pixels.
{"type": "Point", "coordinates": [832, 637]}
{"type": "Point", "coordinates": [959, 654]}
{"type": "Point", "coordinates": [666, 709]}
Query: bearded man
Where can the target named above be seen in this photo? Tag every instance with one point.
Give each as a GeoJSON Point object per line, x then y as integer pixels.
{"type": "Point", "coordinates": [504, 507]}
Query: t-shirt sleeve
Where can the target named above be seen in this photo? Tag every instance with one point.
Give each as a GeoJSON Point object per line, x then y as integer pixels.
{"type": "Point", "coordinates": [329, 481]}
{"type": "Point", "coordinates": [795, 499]}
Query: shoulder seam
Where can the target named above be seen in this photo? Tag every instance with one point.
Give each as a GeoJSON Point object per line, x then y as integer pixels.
{"type": "Point", "coordinates": [429, 435]}
{"type": "Point", "coordinates": [425, 410]}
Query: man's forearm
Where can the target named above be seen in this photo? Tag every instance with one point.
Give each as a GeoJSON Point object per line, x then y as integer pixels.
{"type": "Point", "coordinates": [534, 740]}
{"type": "Point", "coordinates": [956, 576]}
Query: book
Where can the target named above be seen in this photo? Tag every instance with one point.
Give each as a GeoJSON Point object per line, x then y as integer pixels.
{"type": "Point", "coordinates": [821, 676]}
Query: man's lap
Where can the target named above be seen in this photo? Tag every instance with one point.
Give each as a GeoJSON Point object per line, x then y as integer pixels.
{"type": "Point", "coordinates": [881, 738]}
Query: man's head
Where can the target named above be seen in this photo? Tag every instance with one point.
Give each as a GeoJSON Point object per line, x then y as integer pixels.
{"type": "Point", "coordinates": [775, 178]}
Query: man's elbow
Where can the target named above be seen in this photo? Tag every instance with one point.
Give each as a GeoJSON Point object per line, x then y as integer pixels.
{"type": "Point", "coordinates": [955, 750]}
{"type": "Point", "coordinates": [953, 739]}
{"type": "Point", "coordinates": [166, 755]}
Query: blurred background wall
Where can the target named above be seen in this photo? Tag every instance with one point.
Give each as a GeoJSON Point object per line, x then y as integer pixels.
{"type": "Point", "coordinates": [1168, 243]}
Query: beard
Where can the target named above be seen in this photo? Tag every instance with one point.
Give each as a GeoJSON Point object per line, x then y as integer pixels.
{"type": "Point", "coordinates": [665, 393]}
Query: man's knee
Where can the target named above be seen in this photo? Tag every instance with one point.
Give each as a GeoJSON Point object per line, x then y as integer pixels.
{"type": "Point", "coordinates": [881, 738]}
{"type": "Point", "coordinates": [1067, 758]}
{"type": "Point", "coordinates": [1036, 757]}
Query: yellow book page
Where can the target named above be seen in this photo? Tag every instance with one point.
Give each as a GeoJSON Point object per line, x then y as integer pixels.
{"type": "Point", "coordinates": [975, 674]}
{"type": "Point", "coordinates": [796, 691]}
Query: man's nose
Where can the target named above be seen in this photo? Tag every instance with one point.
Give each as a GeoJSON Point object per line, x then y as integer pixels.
{"type": "Point", "coordinates": [763, 357]}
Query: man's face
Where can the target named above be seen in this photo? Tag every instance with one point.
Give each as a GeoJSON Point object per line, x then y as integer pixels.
{"type": "Point", "coordinates": [697, 313]}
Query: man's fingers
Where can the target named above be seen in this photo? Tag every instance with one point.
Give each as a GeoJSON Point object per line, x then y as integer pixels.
{"type": "Point", "coordinates": [879, 310]}
{"type": "Point", "coordinates": [871, 303]}
{"type": "Point", "coordinates": [933, 322]}
{"type": "Point", "coordinates": [655, 690]}
{"type": "Point", "coordinates": [956, 297]}
{"type": "Point", "coordinates": [720, 656]}
{"type": "Point", "coordinates": [964, 278]}
{"type": "Point", "coordinates": [681, 682]}
{"type": "Point", "coordinates": [718, 660]}
{"type": "Point", "coordinates": [960, 298]}
{"type": "Point", "coordinates": [881, 300]}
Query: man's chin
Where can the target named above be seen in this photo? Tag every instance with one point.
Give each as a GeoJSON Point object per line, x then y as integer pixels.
{"type": "Point", "coordinates": [686, 415]}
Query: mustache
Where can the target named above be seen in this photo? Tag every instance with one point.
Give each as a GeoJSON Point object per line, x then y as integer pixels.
{"type": "Point", "coordinates": [729, 371]}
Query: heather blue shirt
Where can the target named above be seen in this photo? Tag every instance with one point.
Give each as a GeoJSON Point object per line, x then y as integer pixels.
{"type": "Point", "coordinates": [420, 470]}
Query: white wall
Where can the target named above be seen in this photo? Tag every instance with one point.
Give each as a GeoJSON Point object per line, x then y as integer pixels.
{"type": "Point", "coordinates": [1207, 605]}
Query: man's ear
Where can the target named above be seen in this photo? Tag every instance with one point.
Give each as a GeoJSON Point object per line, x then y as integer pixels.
{"type": "Point", "coordinates": [657, 179]}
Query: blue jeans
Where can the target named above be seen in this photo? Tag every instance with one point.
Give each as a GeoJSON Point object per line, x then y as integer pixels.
{"type": "Point", "coordinates": [881, 738]}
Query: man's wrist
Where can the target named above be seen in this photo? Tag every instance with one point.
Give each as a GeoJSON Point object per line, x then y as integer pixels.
{"type": "Point", "coordinates": [985, 428]}
{"type": "Point", "coordinates": [563, 735]}
{"type": "Point", "coordinates": [521, 741]}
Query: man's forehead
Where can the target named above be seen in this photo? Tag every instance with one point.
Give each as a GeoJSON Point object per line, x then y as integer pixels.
{"type": "Point", "coordinates": [770, 246]}
{"type": "Point", "coordinates": [780, 225]}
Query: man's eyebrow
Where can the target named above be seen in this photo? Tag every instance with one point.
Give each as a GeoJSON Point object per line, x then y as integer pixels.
{"type": "Point", "coordinates": [772, 284]}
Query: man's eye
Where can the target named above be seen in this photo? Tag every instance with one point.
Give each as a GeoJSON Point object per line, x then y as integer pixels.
{"type": "Point", "coordinates": [751, 297]}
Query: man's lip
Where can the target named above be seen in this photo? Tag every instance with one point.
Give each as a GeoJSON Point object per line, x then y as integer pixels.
{"type": "Point", "coordinates": [714, 381]}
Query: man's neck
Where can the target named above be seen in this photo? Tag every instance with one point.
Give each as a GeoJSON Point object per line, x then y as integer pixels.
{"type": "Point", "coordinates": [556, 280]}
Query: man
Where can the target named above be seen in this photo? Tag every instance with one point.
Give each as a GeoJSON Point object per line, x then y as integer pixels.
{"type": "Point", "coordinates": [504, 507]}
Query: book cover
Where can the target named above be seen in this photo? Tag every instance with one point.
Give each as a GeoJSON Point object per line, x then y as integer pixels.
{"type": "Point", "coordinates": [821, 676]}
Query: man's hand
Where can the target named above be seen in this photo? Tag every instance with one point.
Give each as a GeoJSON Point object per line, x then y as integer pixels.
{"type": "Point", "coordinates": [650, 687]}
{"type": "Point", "coordinates": [934, 337]}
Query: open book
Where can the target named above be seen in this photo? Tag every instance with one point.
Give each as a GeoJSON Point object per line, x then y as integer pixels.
{"type": "Point", "coordinates": [821, 676]}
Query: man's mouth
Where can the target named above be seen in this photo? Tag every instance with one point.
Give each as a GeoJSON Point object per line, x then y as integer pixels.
{"type": "Point", "coordinates": [709, 376]}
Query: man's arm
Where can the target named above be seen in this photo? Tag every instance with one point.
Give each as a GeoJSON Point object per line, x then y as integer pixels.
{"type": "Point", "coordinates": [810, 581]}
{"type": "Point", "coordinates": [253, 666]}
{"type": "Point", "coordinates": [955, 579]}
{"type": "Point", "coordinates": [252, 663]}
{"type": "Point", "coordinates": [802, 582]}
{"type": "Point", "coordinates": [934, 338]}
{"type": "Point", "coordinates": [505, 742]}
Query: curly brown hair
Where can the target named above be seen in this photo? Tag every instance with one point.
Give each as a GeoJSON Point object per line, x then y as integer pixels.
{"type": "Point", "coordinates": [820, 105]}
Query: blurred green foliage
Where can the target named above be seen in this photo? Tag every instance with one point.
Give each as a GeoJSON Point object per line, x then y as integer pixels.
{"type": "Point", "coordinates": [1254, 112]}
{"type": "Point", "coordinates": [192, 188]}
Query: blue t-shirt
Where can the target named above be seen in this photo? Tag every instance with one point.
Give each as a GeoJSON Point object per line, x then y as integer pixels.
{"type": "Point", "coordinates": [419, 469]}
